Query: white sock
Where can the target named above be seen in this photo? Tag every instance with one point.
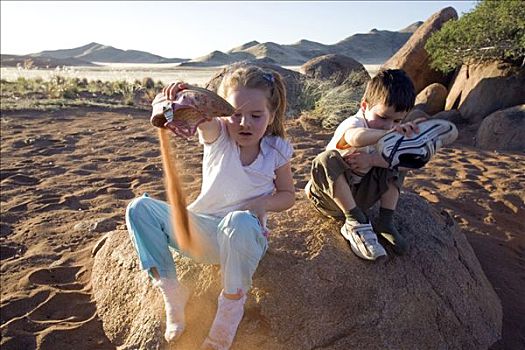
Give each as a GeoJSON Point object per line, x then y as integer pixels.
{"type": "Point", "coordinates": [175, 297]}
{"type": "Point", "coordinates": [224, 327]}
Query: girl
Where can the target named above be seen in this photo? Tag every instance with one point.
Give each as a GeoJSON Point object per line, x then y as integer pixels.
{"type": "Point", "coordinates": [246, 173]}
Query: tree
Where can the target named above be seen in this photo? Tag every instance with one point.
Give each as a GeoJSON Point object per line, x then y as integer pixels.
{"type": "Point", "coordinates": [494, 30]}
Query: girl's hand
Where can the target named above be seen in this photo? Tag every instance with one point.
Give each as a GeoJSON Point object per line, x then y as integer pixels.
{"type": "Point", "coordinates": [359, 161]}
{"type": "Point", "coordinates": [257, 207]}
{"type": "Point", "coordinates": [173, 89]}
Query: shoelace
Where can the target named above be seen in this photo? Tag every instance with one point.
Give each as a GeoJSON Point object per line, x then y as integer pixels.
{"type": "Point", "coordinates": [366, 232]}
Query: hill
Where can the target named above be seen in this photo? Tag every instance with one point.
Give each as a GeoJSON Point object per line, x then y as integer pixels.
{"type": "Point", "coordinates": [374, 47]}
{"type": "Point", "coordinates": [95, 52]}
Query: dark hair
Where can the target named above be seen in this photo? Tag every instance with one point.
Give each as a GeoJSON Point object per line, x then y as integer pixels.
{"type": "Point", "coordinates": [391, 87]}
{"type": "Point", "coordinates": [254, 77]}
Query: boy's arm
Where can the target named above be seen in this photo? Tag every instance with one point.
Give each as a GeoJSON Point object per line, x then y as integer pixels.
{"type": "Point", "coordinates": [361, 137]}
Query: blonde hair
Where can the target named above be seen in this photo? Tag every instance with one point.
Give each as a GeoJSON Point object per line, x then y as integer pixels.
{"type": "Point", "coordinates": [253, 77]}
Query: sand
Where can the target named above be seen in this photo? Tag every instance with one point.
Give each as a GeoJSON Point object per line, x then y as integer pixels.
{"type": "Point", "coordinates": [67, 176]}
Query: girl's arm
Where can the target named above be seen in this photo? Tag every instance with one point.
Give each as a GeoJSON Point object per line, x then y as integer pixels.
{"type": "Point", "coordinates": [283, 197]}
{"type": "Point", "coordinates": [210, 130]}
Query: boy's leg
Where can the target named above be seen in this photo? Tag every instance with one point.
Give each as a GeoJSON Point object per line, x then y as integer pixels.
{"type": "Point", "coordinates": [383, 185]}
{"type": "Point", "coordinates": [331, 193]}
{"type": "Point", "coordinates": [385, 222]}
{"type": "Point", "coordinates": [242, 244]}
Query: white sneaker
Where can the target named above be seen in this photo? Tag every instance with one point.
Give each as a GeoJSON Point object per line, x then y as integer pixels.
{"type": "Point", "coordinates": [416, 151]}
{"type": "Point", "coordinates": [363, 240]}
{"type": "Point", "coordinates": [307, 188]}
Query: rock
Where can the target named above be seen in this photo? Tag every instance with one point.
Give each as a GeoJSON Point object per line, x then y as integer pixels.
{"type": "Point", "coordinates": [453, 116]}
{"type": "Point", "coordinates": [431, 99]}
{"type": "Point", "coordinates": [310, 291]}
{"type": "Point", "coordinates": [414, 59]}
{"type": "Point", "coordinates": [96, 225]}
{"type": "Point", "coordinates": [415, 114]}
{"type": "Point", "coordinates": [480, 89]}
{"type": "Point", "coordinates": [333, 67]}
{"type": "Point", "coordinates": [503, 130]}
{"type": "Point", "coordinates": [291, 79]}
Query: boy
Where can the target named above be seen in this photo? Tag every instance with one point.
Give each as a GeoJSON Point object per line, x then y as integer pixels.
{"type": "Point", "coordinates": [349, 176]}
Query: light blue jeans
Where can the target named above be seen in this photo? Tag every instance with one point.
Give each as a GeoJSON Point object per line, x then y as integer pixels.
{"type": "Point", "coordinates": [237, 241]}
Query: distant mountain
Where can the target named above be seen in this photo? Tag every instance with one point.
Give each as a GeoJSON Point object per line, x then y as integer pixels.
{"type": "Point", "coordinates": [41, 62]}
{"type": "Point", "coordinates": [411, 28]}
{"type": "Point", "coordinates": [374, 47]}
{"type": "Point", "coordinates": [95, 52]}
{"type": "Point", "coordinates": [215, 58]}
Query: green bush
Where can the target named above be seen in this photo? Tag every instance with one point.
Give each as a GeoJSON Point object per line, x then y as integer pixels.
{"type": "Point", "coordinates": [494, 30]}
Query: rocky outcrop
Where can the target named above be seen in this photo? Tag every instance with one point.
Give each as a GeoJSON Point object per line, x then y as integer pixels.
{"type": "Point", "coordinates": [332, 67]}
{"type": "Point", "coordinates": [414, 59]}
{"type": "Point", "coordinates": [431, 99]}
{"type": "Point", "coordinates": [480, 89]}
{"type": "Point", "coordinates": [310, 291]}
{"type": "Point", "coordinates": [503, 130]}
{"type": "Point", "coordinates": [292, 80]}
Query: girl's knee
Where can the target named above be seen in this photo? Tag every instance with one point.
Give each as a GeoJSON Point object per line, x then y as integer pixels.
{"type": "Point", "coordinates": [241, 230]}
{"type": "Point", "coordinates": [138, 205]}
{"type": "Point", "coordinates": [239, 221]}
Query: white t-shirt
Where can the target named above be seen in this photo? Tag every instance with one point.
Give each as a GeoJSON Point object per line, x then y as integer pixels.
{"type": "Point", "coordinates": [356, 121]}
{"type": "Point", "coordinates": [227, 185]}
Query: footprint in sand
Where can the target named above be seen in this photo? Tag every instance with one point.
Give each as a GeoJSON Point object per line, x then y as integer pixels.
{"type": "Point", "coordinates": [79, 336]}
{"type": "Point", "coordinates": [17, 307]}
{"type": "Point", "coordinates": [5, 229]}
{"type": "Point", "coordinates": [64, 277]}
{"type": "Point", "coordinates": [150, 154]}
{"type": "Point", "coordinates": [22, 180]}
{"type": "Point", "coordinates": [64, 306]}
{"type": "Point", "coordinates": [151, 168]}
{"type": "Point", "coordinates": [20, 341]}
{"type": "Point", "coordinates": [11, 250]}
{"type": "Point", "coordinates": [187, 178]}
{"type": "Point", "coordinates": [7, 173]}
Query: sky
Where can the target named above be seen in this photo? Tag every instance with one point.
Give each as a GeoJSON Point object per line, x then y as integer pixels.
{"type": "Point", "coordinates": [176, 29]}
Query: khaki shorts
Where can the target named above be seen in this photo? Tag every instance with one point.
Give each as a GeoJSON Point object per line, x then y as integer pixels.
{"type": "Point", "coordinates": [329, 165]}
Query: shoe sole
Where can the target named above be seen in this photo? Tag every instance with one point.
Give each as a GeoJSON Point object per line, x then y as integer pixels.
{"type": "Point", "coordinates": [307, 188]}
{"type": "Point", "coordinates": [353, 245]}
{"type": "Point", "coordinates": [433, 134]}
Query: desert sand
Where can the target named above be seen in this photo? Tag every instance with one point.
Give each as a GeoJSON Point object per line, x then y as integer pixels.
{"type": "Point", "coordinates": [67, 176]}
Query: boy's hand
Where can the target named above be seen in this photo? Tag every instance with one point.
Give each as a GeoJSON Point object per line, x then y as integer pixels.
{"type": "Point", "coordinates": [173, 89]}
{"type": "Point", "coordinates": [361, 162]}
{"type": "Point", "coordinates": [410, 128]}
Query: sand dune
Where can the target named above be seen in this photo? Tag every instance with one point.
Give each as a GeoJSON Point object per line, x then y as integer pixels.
{"type": "Point", "coordinates": [67, 176]}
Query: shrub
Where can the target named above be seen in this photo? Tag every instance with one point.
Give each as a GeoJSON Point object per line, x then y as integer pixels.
{"type": "Point", "coordinates": [494, 30]}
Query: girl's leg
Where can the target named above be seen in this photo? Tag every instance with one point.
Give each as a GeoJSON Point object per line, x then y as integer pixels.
{"type": "Point", "coordinates": [242, 244]}
{"type": "Point", "coordinates": [149, 225]}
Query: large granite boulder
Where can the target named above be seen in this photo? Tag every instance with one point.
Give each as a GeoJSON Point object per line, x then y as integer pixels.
{"type": "Point", "coordinates": [431, 99]}
{"type": "Point", "coordinates": [478, 90]}
{"type": "Point", "coordinates": [414, 59]}
{"type": "Point", "coordinates": [292, 80]}
{"type": "Point", "coordinates": [311, 292]}
{"type": "Point", "coordinates": [332, 67]}
{"type": "Point", "coordinates": [503, 130]}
